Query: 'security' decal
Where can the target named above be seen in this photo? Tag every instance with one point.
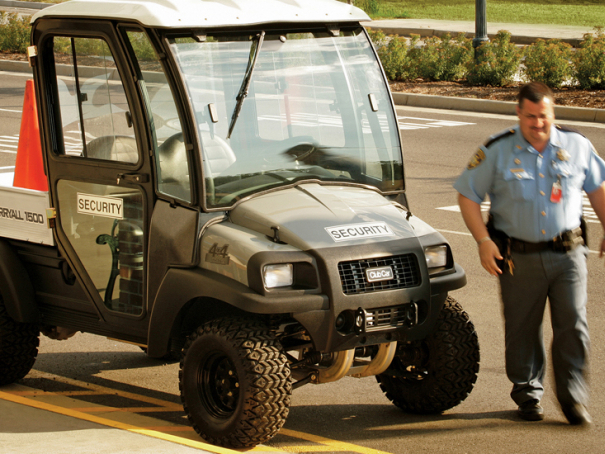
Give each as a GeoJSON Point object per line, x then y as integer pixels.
{"type": "Point", "coordinates": [108, 207]}
{"type": "Point", "coordinates": [359, 231]}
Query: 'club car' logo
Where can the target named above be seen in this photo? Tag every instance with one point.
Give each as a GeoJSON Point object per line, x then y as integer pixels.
{"type": "Point", "coordinates": [383, 273]}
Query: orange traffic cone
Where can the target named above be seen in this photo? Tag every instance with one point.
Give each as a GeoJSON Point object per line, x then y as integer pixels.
{"type": "Point", "coordinates": [29, 168]}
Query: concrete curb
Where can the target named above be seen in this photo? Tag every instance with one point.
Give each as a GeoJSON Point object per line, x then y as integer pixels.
{"type": "Point", "coordinates": [15, 66]}
{"type": "Point", "coordinates": [430, 101]}
{"type": "Point", "coordinates": [428, 32]}
{"type": "Point", "coordinates": [493, 107]}
{"type": "Point", "coordinates": [24, 5]}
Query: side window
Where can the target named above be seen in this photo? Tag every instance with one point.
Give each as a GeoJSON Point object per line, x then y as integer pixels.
{"type": "Point", "coordinates": [95, 117]}
{"type": "Point", "coordinates": [171, 155]}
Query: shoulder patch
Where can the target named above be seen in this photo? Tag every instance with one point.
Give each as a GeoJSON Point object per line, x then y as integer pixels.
{"type": "Point", "coordinates": [477, 159]}
{"type": "Point", "coordinates": [497, 137]}
{"type": "Point", "coordinates": [568, 129]}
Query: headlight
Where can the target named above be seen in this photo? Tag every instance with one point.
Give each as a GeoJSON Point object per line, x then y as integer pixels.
{"type": "Point", "coordinates": [280, 275]}
{"type": "Point", "coordinates": [436, 256]}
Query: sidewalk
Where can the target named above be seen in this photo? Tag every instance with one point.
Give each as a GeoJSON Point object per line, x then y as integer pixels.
{"type": "Point", "coordinates": [35, 430]}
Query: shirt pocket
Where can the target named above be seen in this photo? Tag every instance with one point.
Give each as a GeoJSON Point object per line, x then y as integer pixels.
{"type": "Point", "coordinates": [571, 177]}
{"type": "Point", "coordinates": [520, 184]}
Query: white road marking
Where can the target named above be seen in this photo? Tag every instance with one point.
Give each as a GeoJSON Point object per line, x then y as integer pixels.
{"type": "Point", "coordinates": [589, 213]}
{"type": "Point", "coordinates": [454, 232]}
{"type": "Point", "coordinates": [408, 123]}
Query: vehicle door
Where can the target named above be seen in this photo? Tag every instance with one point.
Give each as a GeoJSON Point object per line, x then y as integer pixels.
{"type": "Point", "coordinates": [100, 135]}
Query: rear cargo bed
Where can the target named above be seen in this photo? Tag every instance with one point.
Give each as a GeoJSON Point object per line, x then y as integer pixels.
{"type": "Point", "coordinates": [23, 212]}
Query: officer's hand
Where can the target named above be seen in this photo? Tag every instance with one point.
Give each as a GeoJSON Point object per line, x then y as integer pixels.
{"type": "Point", "coordinates": [489, 253]}
{"type": "Point", "coordinates": [602, 251]}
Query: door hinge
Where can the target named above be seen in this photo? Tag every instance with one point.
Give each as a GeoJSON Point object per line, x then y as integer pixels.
{"type": "Point", "coordinates": [51, 218]}
{"type": "Point", "coordinates": [32, 53]}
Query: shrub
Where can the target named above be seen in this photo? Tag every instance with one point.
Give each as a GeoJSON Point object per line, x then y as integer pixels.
{"type": "Point", "coordinates": [14, 33]}
{"type": "Point", "coordinates": [398, 57]}
{"type": "Point", "coordinates": [445, 58]}
{"type": "Point", "coordinates": [497, 62]}
{"type": "Point", "coordinates": [548, 62]}
{"type": "Point", "coordinates": [589, 61]}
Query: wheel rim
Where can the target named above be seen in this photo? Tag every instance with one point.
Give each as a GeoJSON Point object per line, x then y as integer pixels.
{"type": "Point", "coordinates": [218, 385]}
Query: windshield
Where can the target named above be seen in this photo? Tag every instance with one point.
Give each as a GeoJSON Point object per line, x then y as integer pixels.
{"type": "Point", "coordinates": [273, 109]}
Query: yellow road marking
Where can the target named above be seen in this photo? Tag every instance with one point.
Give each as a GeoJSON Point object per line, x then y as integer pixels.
{"type": "Point", "coordinates": [322, 444]}
{"type": "Point", "coordinates": [34, 392]}
{"type": "Point", "coordinates": [171, 428]}
{"type": "Point", "coordinates": [334, 444]}
{"type": "Point", "coordinates": [102, 409]}
{"type": "Point", "coordinates": [98, 389]}
{"type": "Point", "coordinates": [115, 424]}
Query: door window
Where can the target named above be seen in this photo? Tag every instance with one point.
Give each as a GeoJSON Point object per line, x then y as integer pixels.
{"type": "Point", "coordinates": [95, 117]}
{"type": "Point", "coordinates": [104, 225]}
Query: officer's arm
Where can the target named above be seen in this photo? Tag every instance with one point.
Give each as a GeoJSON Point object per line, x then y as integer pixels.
{"type": "Point", "coordinates": [597, 200]}
{"type": "Point", "coordinates": [488, 251]}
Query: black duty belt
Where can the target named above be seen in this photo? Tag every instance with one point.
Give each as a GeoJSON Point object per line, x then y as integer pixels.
{"type": "Point", "coordinates": [566, 241]}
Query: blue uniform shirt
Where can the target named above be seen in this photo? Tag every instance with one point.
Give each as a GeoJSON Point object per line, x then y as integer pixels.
{"type": "Point", "coordinates": [519, 182]}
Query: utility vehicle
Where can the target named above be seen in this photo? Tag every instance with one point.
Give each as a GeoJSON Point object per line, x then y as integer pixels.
{"type": "Point", "coordinates": [226, 186]}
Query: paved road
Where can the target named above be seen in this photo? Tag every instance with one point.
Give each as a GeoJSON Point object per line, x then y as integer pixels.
{"type": "Point", "coordinates": [108, 394]}
{"type": "Point", "coordinates": [105, 389]}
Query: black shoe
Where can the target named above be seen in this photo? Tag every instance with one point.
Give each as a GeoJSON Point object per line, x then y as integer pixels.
{"type": "Point", "coordinates": [577, 415]}
{"type": "Point", "coordinates": [530, 410]}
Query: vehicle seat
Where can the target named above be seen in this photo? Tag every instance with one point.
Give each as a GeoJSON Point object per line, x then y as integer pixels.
{"type": "Point", "coordinates": [218, 154]}
{"type": "Point", "coordinates": [113, 148]}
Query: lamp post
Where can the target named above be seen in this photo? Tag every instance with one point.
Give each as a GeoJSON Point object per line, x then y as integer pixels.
{"type": "Point", "coordinates": [480, 25]}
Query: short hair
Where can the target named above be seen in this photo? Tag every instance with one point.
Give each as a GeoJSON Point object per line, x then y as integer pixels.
{"type": "Point", "coordinates": [535, 92]}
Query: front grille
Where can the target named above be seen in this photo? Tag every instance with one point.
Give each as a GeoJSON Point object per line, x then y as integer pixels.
{"type": "Point", "coordinates": [406, 273]}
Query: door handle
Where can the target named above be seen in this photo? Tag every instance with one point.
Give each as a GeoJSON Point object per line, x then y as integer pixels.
{"type": "Point", "coordinates": [136, 178]}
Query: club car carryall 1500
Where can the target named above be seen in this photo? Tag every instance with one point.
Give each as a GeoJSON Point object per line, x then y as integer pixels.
{"type": "Point", "coordinates": [226, 186]}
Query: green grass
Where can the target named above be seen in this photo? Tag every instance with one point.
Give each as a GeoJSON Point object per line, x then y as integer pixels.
{"type": "Point", "coordinates": [586, 13]}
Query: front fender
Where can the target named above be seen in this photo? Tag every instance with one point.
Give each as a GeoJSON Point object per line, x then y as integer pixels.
{"type": "Point", "coordinates": [180, 286]}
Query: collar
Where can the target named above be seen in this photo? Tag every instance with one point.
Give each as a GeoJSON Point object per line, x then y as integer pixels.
{"type": "Point", "coordinates": [521, 144]}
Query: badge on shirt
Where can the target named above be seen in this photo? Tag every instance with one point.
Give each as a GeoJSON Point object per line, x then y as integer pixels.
{"type": "Point", "coordinates": [476, 160]}
{"type": "Point", "coordinates": [556, 193]}
{"type": "Point", "coordinates": [563, 155]}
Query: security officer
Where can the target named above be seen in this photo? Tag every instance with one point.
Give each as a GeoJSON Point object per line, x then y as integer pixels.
{"type": "Point", "coordinates": [534, 174]}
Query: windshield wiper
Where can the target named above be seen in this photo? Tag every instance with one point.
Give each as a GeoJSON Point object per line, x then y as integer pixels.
{"type": "Point", "coordinates": [243, 91]}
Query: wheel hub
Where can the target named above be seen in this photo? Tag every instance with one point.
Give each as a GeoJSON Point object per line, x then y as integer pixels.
{"type": "Point", "coordinates": [218, 385]}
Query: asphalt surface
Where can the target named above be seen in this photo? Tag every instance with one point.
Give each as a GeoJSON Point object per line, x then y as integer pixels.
{"type": "Point", "coordinates": [32, 425]}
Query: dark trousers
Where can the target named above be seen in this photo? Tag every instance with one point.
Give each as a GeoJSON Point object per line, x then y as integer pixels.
{"type": "Point", "coordinates": [560, 278]}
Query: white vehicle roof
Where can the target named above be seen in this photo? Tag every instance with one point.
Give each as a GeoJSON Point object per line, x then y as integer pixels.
{"type": "Point", "coordinates": [208, 13]}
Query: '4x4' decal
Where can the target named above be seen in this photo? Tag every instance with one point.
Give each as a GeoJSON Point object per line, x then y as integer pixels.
{"type": "Point", "coordinates": [218, 254]}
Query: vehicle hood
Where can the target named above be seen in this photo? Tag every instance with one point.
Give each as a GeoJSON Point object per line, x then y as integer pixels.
{"type": "Point", "coordinates": [311, 216]}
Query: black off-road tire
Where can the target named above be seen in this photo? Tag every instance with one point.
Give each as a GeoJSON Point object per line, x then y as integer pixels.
{"type": "Point", "coordinates": [437, 373]}
{"type": "Point", "coordinates": [235, 382]}
{"type": "Point", "coordinates": [18, 347]}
